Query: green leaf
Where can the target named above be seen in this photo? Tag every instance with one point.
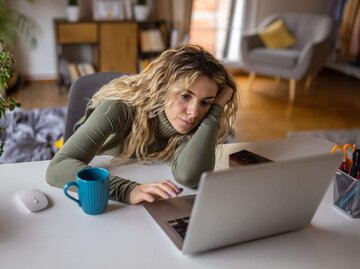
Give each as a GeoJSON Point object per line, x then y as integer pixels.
{"type": "Point", "coordinates": [13, 23]}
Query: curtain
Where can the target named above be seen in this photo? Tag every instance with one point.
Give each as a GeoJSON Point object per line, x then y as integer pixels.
{"type": "Point", "coordinates": [346, 14]}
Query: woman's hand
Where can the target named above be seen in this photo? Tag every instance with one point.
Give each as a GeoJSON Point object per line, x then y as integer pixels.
{"type": "Point", "coordinates": [223, 96]}
{"type": "Point", "coordinates": [153, 191]}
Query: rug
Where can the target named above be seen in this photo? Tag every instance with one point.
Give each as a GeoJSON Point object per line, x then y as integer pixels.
{"type": "Point", "coordinates": [338, 136]}
{"type": "Point", "coordinates": [30, 134]}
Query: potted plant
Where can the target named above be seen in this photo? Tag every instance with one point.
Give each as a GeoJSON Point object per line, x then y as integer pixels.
{"type": "Point", "coordinates": [73, 11]}
{"type": "Point", "coordinates": [141, 10]}
{"type": "Point", "coordinates": [6, 60]}
{"type": "Point", "coordinates": [12, 23]}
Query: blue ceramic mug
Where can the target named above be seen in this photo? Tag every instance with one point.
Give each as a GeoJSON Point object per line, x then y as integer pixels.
{"type": "Point", "coordinates": [93, 189]}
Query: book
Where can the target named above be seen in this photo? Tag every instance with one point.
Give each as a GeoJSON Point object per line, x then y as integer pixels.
{"type": "Point", "coordinates": [73, 72]}
{"type": "Point", "coordinates": [174, 38]}
{"type": "Point", "coordinates": [151, 41]}
{"type": "Point", "coordinates": [81, 68]}
{"type": "Point", "coordinates": [85, 69]}
{"type": "Point", "coordinates": [89, 68]}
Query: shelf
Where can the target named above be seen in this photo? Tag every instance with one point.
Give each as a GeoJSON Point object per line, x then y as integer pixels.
{"type": "Point", "coordinates": [110, 46]}
{"type": "Point", "coordinates": [152, 39]}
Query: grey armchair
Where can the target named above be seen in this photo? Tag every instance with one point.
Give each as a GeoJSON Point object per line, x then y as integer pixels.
{"type": "Point", "coordinates": [80, 94]}
{"type": "Point", "coordinates": [313, 35]}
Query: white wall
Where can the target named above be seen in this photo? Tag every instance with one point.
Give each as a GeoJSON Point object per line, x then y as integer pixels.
{"type": "Point", "coordinates": [257, 10]}
{"type": "Point", "coordinates": [41, 62]}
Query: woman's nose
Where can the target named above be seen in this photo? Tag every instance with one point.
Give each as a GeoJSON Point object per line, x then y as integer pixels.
{"type": "Point", "coordinates": [193, 109]}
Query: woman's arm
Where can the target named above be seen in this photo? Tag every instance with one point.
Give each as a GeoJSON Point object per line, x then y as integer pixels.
{"type": "Point", "coordinates": [197, 155]}
{"type": "Point", "coordinates": [108, 118]}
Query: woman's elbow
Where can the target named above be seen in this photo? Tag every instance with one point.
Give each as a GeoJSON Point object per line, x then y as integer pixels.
{"type": "Point", "coordinates": [52, 176]}
{"type": "Point", "coordinates": [190, 180]}
{"type": "Point", "coordinates": [49, 176]}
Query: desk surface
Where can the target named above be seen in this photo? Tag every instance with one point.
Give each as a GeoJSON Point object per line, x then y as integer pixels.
{"type": "Point", "coordinates": [126, 236]}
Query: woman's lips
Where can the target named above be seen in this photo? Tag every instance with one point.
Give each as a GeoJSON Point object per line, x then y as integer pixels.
{"type": "Point", "coordinates": [186, 123]}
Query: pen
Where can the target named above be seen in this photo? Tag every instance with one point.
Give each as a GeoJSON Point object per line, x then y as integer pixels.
{"type": "Point", "coordinates": [355, 167]}
{"type": "Point", "coordinates": [347, 198]}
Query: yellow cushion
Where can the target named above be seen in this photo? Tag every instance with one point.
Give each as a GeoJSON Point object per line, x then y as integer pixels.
{"type": "Point", "coordinates": [277, 36]}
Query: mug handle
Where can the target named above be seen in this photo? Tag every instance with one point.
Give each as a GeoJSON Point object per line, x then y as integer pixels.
{"type": "Point", "coordinates": [67, 186]}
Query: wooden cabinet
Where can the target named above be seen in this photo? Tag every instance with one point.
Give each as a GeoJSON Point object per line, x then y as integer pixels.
{"type": "Point", "coordinates": [70, 33]}
{"type": "Point", "coordinates": [118, 44]}
{"type": "Point", "coordinates": [114, 45]}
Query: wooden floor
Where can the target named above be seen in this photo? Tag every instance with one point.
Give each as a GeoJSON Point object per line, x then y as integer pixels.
{"type": "Point", "coordinates": [40, 94]}
{"type": "Point", "coordinates": [333, 102]}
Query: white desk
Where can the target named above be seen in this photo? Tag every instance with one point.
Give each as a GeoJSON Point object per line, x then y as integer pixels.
{"type": "Point", "coordinates": [126, 237]}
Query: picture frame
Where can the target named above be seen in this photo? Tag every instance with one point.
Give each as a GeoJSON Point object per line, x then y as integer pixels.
{"type": "Point", "coordinates": [108, 10]}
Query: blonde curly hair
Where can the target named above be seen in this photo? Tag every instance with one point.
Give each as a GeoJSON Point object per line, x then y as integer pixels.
{"type": "Point", "coordinates": [149, 91]}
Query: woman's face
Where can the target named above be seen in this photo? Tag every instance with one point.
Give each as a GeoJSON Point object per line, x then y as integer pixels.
{"type": "Point", "coordinates": [186, 110]}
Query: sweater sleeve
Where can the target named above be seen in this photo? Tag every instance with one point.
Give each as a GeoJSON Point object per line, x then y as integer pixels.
{"type": "Point", "coordinates": [197, 155]}
{"type": "Point", "coordinates": [108, 118]}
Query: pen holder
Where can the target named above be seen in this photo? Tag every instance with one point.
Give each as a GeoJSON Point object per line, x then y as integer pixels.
{"type": "Point", "coordinates": [347, 194]}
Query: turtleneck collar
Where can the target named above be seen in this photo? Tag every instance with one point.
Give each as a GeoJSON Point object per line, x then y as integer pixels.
{"type": "Point", "coordinates": [164, 127]}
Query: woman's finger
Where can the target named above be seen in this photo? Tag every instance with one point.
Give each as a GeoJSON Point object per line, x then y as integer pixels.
{"type": "Point", "coordinates": [168, 188]}
{"type": "Point", "coordinates": [173, 186]}
{"type": "Point", "coordinates": [154, 188]}
{"type": "Point", "coordinates": [154, 191]}
{"type": "Point", "coordinates": [224, 96]}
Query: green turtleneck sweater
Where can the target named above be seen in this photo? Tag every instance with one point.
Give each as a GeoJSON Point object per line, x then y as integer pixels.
{"type": "Point", "coordinates": [103, 132]}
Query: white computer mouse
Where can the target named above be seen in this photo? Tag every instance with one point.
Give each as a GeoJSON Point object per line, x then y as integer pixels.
{"type": "Point", "coordinates": [32, 199]}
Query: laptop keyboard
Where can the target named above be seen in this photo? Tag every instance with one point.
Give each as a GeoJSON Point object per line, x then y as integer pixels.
{"type": "Point", "coordinates": [180, 225]}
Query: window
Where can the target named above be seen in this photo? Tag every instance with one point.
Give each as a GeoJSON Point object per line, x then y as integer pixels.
{"type": "Point", "coordinates": [216, 25]}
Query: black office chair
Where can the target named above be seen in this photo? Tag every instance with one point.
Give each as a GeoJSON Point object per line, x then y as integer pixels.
{"type": "Point", "coordinates": [80, 93]}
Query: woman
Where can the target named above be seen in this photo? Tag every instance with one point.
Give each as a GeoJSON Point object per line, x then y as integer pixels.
{"type": "Point", "coordinates": [176, 110]}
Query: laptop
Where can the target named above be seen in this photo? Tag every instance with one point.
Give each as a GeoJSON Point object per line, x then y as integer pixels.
{"type": "Point", "coordinates": [246, 203]}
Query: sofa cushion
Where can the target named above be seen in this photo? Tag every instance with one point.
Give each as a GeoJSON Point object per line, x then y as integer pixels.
{"type": "Point", "coordinates": [279, 57]}
{"type": "Point", "coordinates": [277, 36]}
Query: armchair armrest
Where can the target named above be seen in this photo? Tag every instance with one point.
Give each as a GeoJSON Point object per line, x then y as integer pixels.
{"type": "Point", "coordinates": [313, 57]}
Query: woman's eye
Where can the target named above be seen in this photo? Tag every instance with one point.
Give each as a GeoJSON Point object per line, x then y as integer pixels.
{"type": "Point", "coordinates": [185, 97]}
{"type": "Point", "coordinates": [206, 103]}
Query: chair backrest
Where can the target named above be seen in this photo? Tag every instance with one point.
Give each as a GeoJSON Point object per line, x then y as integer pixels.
{"type": "Point", "coordinates": [304, 26]}
{"type": "Point", "coordinates": [80, 93]}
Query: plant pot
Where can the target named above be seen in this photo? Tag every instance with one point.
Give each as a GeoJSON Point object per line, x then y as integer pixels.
{"type": "Point", "coordinates": [73, 13]}
{"type": "Point", "coordinates": [141, 12]}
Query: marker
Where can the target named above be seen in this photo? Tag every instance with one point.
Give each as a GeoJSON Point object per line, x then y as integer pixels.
{"type": "Point", "coordinates": [355, 167]}
{"type": "Point", "coordinates": [347, 198]}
